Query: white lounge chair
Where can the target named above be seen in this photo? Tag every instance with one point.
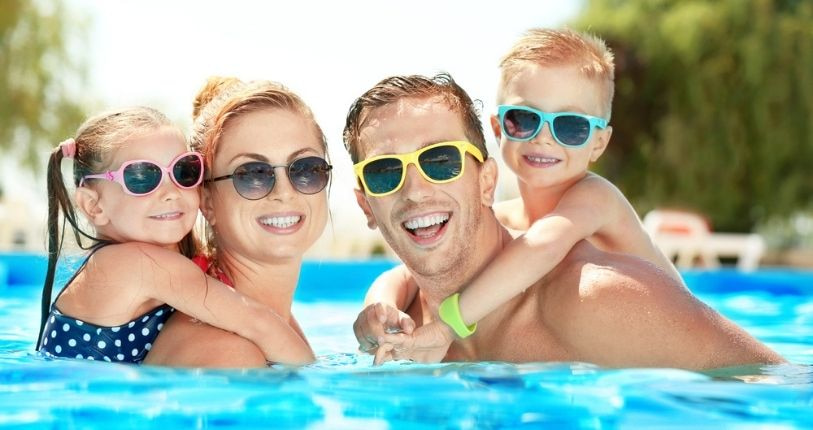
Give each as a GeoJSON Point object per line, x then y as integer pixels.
{"type": "Point", "coordinates": [687, 238]}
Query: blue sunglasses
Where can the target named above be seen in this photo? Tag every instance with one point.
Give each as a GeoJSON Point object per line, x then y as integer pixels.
{"type": "Point", "coordinates": [569, 129]}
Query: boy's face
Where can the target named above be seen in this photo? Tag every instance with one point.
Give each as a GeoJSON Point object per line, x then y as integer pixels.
{"type": "Point", "coordinates": [542, 162]}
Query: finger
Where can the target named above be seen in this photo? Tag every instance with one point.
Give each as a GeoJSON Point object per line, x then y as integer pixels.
{"type": "Point", "coordinates": [382, 355]}
{"type": "Point", "coordinates": [357, 329]}
{"type": "Point", "coordinates": [381, 313]}
{"type": "Point", "coordinates": [366, 340]}
{"type": "Point", "coordinates": [393, 316]}
{"type": "Point", "coordinates": [407, 324]}
{"type": "Point", "coordinates": [368, 347]}
{"type": "Point", "coordinates": [396, 341]}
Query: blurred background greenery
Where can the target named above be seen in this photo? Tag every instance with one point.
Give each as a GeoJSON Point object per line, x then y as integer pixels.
{"type": "Point", "coordinates": [713, 110]}
{"type": "Point", "coordinates": [38, 107]}
{"type": "Point", "coordinates": [712, 113]}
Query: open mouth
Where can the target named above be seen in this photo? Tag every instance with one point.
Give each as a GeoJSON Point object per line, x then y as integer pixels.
{"type": "Point", "coordinates": [169, 216]}
{"type": "Point", "coordinates": [281, 222]}
{"type": "Point", "coordinates": [536, 160]}
{"type": "Point", "coordinates": [427, 227]}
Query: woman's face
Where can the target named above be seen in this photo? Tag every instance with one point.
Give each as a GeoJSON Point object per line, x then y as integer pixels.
{"type": "Point", "coordinates": [283, 224]}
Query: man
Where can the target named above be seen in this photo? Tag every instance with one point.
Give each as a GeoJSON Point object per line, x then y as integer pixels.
{"type": "Point", "coordinates": [608, 309]}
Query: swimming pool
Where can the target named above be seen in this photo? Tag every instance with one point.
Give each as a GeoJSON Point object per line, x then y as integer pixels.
{"type": "Point", "coordinates": [343, 391]}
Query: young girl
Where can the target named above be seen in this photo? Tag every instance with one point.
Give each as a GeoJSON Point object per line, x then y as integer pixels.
{"type": "Point", "coordinates": [136, 184]}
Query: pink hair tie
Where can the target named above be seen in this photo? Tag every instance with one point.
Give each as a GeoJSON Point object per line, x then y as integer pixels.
{"type": "Point", "coordinates": [68, 148]}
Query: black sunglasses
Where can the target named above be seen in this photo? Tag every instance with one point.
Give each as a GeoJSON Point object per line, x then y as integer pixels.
{"type": "Point", "coordinates": [255, 180]}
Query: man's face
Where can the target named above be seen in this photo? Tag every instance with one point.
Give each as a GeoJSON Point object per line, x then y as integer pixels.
{"type": "Point", "coordinates": [430, 226]}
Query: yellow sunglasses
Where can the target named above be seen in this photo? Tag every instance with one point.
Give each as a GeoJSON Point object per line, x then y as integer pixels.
{"type": "Point", "coordinates": [438, 163]}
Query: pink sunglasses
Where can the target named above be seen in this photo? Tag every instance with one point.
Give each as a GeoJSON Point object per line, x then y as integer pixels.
{"type": "Point", "coordinates": [142, 177]}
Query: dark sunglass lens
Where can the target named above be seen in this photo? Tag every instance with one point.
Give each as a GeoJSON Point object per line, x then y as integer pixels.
{"type": "Point", "coordinates": [142, 177]}
{"type": "Point", "coordinates": [383, 175]}
{"type": "Point", "coordinates": [309, 175]}
{"type": "Point", "coordinates": [571, 130]}
{"type": "Point", "coordinates": [254, 180]}
{"type": "Point", "coordinates": [520, 124]}
{"type": "Point", "coordinates": [187, 171]}
{"type": "Point", "coordinates": [441, 163]}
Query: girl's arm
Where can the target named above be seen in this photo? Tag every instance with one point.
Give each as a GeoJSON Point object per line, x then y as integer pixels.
{"type": "Point", "coordinates": [171, 278]}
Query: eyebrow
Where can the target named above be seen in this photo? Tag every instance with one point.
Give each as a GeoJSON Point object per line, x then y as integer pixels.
{"type": "Point", "coordinates": [421, 146]}
{"type": "Point", "coordinates": [259, 157]}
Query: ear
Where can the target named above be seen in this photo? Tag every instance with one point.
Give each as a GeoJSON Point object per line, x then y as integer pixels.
{"type": "Point", "coordinates": [206, 205]}
{"type": "Point", "coordinates": [361, 199]}
{"type": "Point", "coordinates": [601, 142]}
{"type": "Point", "coordinates": [495, 127]}
{"type": "Point", "coordinates": [488, 182]}
{"type": "Point", "coordinates": [87, 199]}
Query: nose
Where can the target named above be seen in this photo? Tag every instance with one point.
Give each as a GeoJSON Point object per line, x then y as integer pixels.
{"type": "Point", "coordinates": [167, 190]}
{"type": "Point", "coordinates": [283, 189]}
{"type": "Point", "coordinates": [416, 187]}
{"type": "Point", "coordinates": [545, 135]}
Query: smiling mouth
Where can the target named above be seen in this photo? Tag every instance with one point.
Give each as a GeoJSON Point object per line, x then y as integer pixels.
{"type": "Point", "coordinates": [541, 161]}
{"type": "Point", "coordinates": [281, 221]}
{"type": "Point", "coordinates": [426, 226]}
{"type": "Point", "coordinates": [167, 216]}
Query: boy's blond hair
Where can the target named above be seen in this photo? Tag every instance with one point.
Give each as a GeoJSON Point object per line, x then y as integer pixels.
{"type": "Point", "coordinates": [549, 47]}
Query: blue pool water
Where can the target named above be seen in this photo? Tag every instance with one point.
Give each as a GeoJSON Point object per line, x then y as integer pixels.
{"type": "Point", "coordinates": [344, 391]}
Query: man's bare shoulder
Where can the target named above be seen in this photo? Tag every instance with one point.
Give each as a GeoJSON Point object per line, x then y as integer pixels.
{"type": "Point", "coordinates": [589, 278]}
{"type": "Point", "coordinates": [619, 310]}
{"type": "Point", "coordinates": [187, 342]}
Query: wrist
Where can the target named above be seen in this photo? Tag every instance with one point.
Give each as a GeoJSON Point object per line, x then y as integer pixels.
{"type": "Point", "coordinates": [449, 312]}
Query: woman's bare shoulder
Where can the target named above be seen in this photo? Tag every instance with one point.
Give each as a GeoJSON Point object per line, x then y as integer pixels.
{"type": "Point", "coordinates": [187, 342]}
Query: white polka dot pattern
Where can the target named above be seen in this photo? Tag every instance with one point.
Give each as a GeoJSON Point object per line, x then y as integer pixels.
{"type": "Point", "coordinates": [127, 343]}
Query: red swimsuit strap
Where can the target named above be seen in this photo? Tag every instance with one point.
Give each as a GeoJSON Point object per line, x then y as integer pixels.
{"type": "Point", "coordinates": [207, 266]}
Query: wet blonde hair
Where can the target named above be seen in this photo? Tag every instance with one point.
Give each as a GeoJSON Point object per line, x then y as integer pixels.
{"type": "Point", "coordinates": [395, 88]}
{"type": "Point", "coordinates": [550, 48]}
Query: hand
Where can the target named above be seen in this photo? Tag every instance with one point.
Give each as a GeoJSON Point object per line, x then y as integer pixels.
{"type": "Point", "coordinates": [428, 344]}
{"type": "Point", "coordinates": [379, 319]}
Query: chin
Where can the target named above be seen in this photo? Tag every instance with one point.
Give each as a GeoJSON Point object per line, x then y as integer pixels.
{"type": "Point", "coordinates": [284, 253]}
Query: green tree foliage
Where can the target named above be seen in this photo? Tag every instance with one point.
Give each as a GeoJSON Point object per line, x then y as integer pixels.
{"type": "Point", "coordinates": [37, 73]}
{"type": "Point", "coordinates": [714, 105]}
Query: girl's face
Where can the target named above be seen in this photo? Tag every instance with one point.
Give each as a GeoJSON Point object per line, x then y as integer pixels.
{"type": "Point", "coordinates": [162, 217]}
{"type": "Point", "coordinates": [283, 224]}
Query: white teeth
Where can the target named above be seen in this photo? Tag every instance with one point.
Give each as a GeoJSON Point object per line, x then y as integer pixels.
{"type": "Point", "coordinates": [281, 221]}
{"type": "Point", "coordinates": [541, 159]}
{"type": "Point", "coordinates": [426, 221]}
{"type": "Point", "coordinates": [165, 216]}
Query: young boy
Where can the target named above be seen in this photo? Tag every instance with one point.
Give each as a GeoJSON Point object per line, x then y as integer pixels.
{"type": "Point", "coordinates": [552, 122]}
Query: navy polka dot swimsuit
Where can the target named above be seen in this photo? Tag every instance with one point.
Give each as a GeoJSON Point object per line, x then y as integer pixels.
{"type": "Point", "coordinates": [128, 343]}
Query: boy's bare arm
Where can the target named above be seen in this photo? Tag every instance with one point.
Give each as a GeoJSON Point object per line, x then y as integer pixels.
{"type": "Point", "coordinates": [583, 210]}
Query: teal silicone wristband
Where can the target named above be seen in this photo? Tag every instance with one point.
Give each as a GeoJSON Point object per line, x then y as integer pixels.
{"type": "Point", "coordinates": [449, 312]}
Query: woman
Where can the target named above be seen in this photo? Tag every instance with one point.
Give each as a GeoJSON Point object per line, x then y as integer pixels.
{"type": "Point", "coordinates": [264, 203]}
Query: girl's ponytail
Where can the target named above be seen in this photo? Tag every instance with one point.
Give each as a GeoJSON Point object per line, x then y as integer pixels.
{"type": "Point", "coordinates": [57, 198]}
